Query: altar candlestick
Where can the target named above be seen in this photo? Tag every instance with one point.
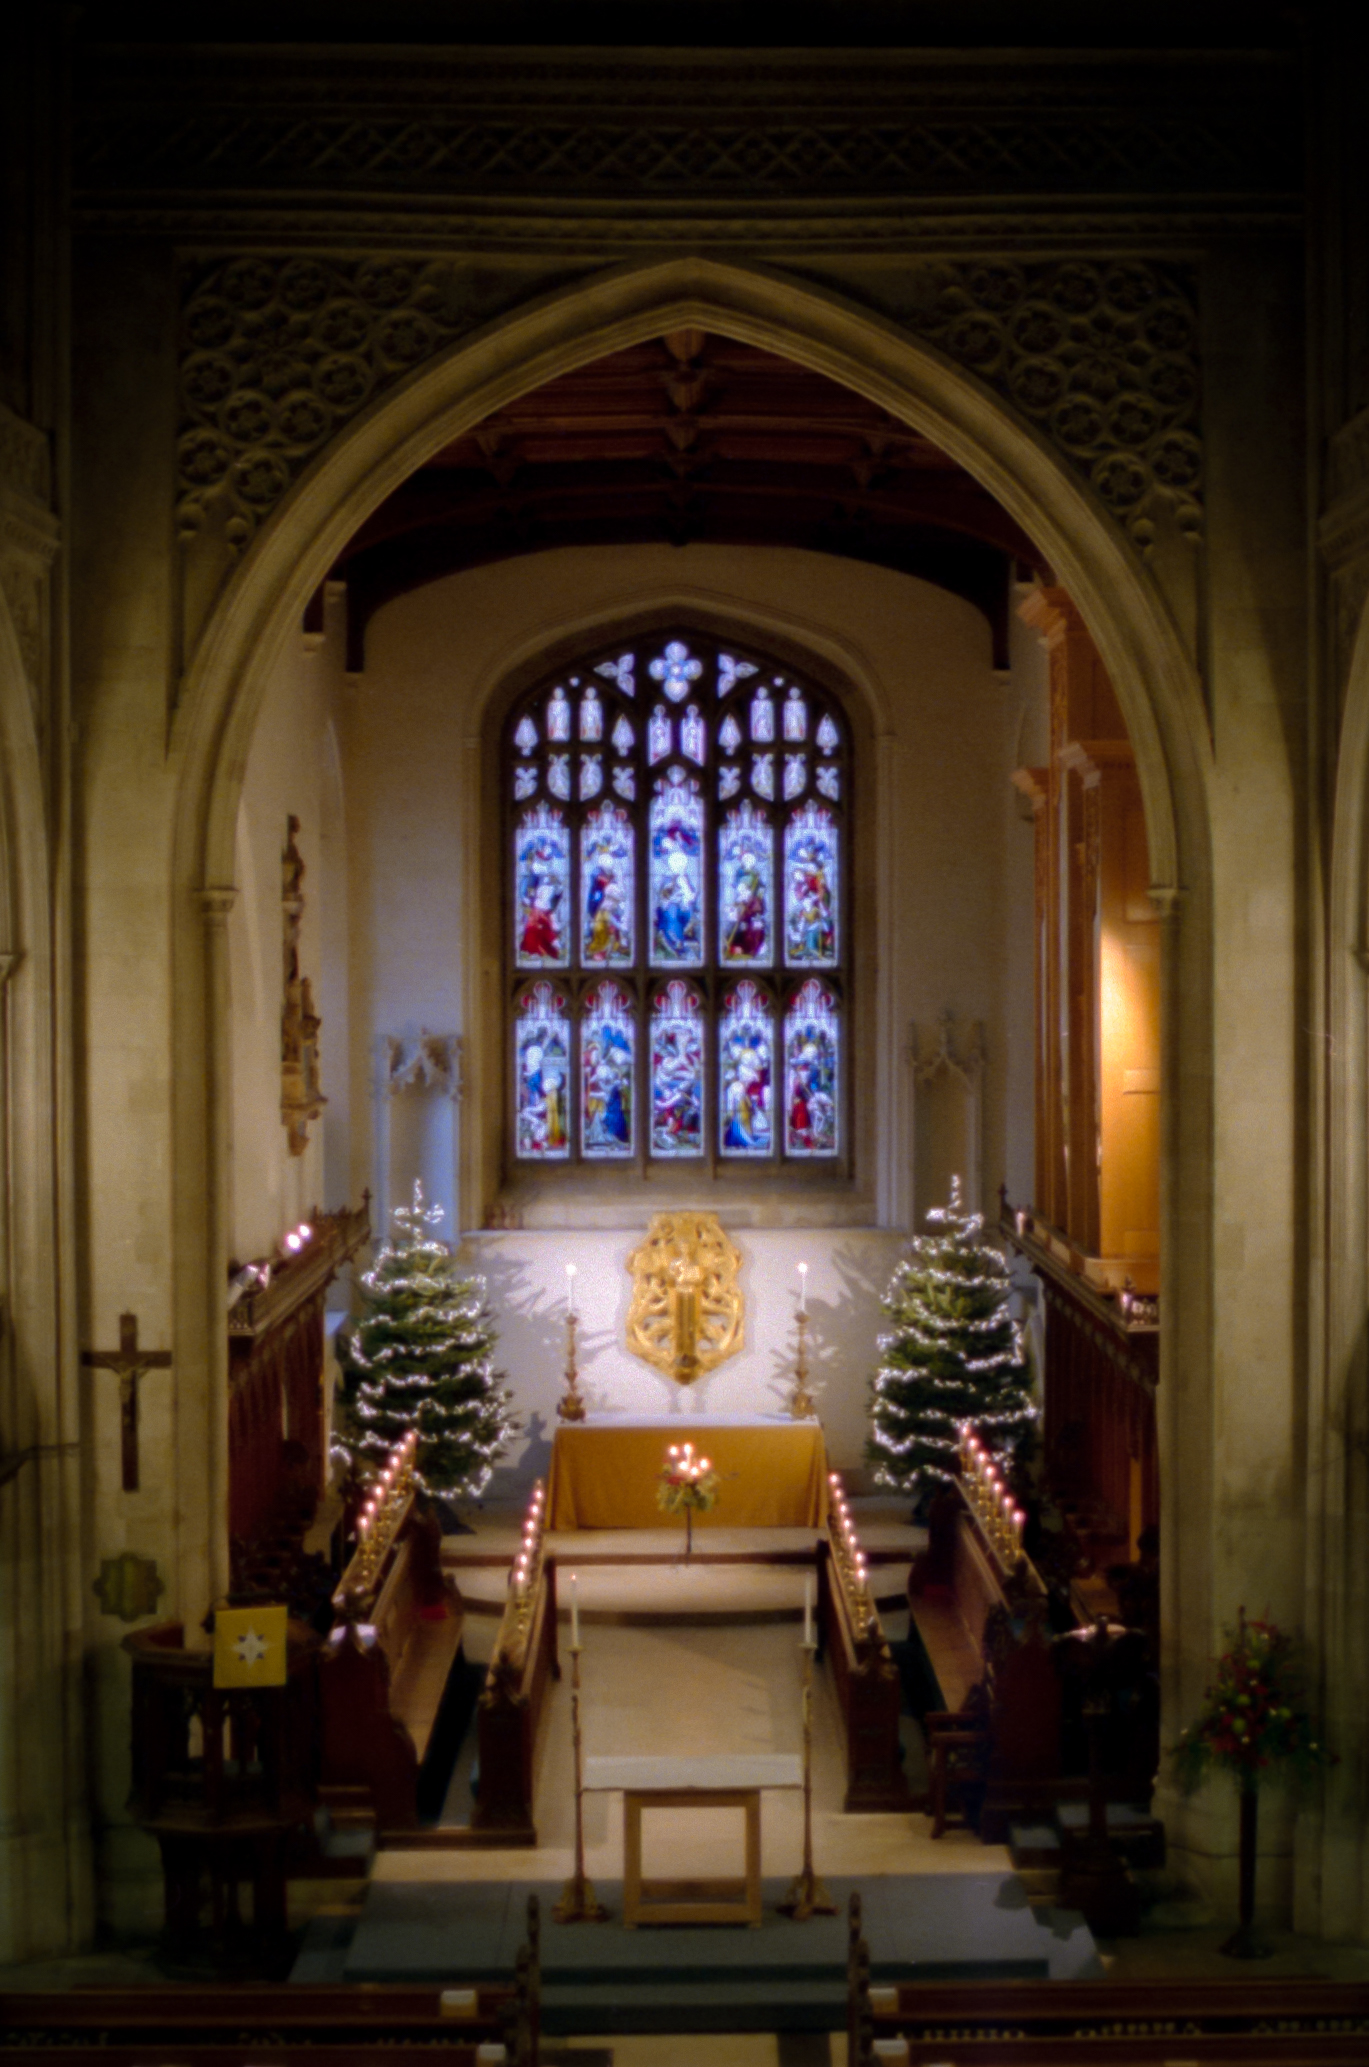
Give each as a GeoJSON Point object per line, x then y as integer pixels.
{"type": "Point", "coordinates": [575, 1611]}
{"type": "Point", "coordinates": [570, 1288]}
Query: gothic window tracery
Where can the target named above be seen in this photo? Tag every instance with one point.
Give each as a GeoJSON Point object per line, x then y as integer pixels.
{"type": "Point", "coordinates": [678, 941]}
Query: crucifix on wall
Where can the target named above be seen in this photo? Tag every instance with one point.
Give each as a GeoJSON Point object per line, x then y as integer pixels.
{"type": "Point", "coordinates": [128, 1362]}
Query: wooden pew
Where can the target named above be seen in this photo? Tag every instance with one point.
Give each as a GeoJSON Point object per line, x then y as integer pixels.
{"type": "Point", "coordinates": [513, 1708]}
{"type": "Point", "coordinates": [383, 1671]}
{"type": "Point", "coordinates": [1156, 2023]}
{"type": "Point", "coordinates": [866, 1681]}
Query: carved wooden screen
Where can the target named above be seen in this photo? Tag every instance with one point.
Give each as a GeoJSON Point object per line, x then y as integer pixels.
{"type": "Point", "coordinates": [678, 933]}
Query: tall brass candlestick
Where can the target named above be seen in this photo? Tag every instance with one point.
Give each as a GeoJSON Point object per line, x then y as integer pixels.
{"type": "Point", "coordinates": [578, 1902]}
{"type": "Point", "coordinates": [807, 1896]}
{"type": "Point", "coordinates": [571, 1405]}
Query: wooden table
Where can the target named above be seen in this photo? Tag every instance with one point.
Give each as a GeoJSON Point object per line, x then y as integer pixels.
{"type": "Point", "coordinates": [700, 1783]}
{"type": "Point", "coordinates": [604, 1473]}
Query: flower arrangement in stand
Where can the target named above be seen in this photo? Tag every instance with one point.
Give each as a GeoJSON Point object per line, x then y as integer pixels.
{"type": "Point", "coordinates": [688, 1485]}
{"type": "Point", "coordinates": [1255, 1727]}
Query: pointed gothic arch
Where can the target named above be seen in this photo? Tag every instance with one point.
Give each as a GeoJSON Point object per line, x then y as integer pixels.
{"type": "Point", "coordinates": [1156, 684]}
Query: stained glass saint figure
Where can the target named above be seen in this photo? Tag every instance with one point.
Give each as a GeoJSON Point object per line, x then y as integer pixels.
{"type": "Point", "coordinates": [677, 1072]}
{"type": "Point", "coordinates": [812, 1039]}
{"type": "Point", "coordinates": [745, 888]}
{"type": "Point", "coordinates": [676, 880]}
{"type": "Point", "coordinates": [558, 715]}
{"type": "Point", "coordinates": [608, 1068]}
{"type": "Point", "coordinates": [810, 889]}
{"type": "Point", "coordinates": [746, 1051]}
{"type": "Point", "coordinates": [606, 889]}
{"type": "Point", "coordinates": [542, 879]}
{"type": "Point", "coordinates": [542, 1070]}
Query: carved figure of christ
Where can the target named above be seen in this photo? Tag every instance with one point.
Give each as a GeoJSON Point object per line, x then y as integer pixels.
{"type": "Point", "coordinates": [128, 1362]}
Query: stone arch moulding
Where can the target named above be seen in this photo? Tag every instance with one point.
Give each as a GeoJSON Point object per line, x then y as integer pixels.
{"type": "Point", "coordinates": [1136, 636]}
{"type": "Point", "coordinates": [1332, 1895]}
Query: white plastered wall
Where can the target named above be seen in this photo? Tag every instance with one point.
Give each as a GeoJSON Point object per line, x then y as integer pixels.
{"type": "Point", "coordinates": [943, 888]}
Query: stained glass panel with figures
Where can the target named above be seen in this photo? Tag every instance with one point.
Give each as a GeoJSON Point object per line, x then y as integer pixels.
{"type": "Point", "coordinates": [542, 894]}
{"type": "Point", "coordinates": [812, 1054]}
{"type": "Point", "coordinates": [677, 1071]}
{"type": "Point", "coordinates": [542, 1075]}
{"type": "Point", "coordinates": [679, 869]}
{"type": "Point", "coordinates": [608, 1072]}
{"type": "Point", "coordinates": [811, 877]}
{"type": "Point", "coordinates": [746, 1068]}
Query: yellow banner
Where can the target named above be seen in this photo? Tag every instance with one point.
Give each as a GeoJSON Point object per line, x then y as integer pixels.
{"type": "Point", "coordinates": [249, 1647]}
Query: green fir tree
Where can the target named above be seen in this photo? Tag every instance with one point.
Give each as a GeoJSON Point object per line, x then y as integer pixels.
{"type": "Point", "coordinates": [953, 1355]}
{"type": "Point", "coordinates": [420, 1357]}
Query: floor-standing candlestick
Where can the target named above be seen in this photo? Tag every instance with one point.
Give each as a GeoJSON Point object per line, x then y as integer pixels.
{"type": "Point", "coordinates": [578, 1903]}
{"type": "Point", "coordinates": [807, 1896]}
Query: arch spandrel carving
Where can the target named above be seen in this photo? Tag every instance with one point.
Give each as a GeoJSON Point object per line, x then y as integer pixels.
{"type": "Point", "coordinates": [280, 354]}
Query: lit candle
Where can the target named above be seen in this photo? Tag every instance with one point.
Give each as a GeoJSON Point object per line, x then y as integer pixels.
{"type": "Point", "coordinates": [803, 1288]}
{"type": "Point", "coordinates": [570, 1288]}
{"type": "Point", "coordinates": [575, 1611]}
{"type": "Point", "coordinates": [808, 1608]}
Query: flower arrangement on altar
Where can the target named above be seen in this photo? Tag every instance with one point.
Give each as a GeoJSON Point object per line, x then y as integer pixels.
{"type": "Point", "coordinates": [687, 1484]}
{"type": "Point", "coordinates": [1253, 1723]}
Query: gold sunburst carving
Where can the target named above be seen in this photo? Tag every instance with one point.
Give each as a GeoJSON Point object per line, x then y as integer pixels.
{"type": "Point", "coordinates": [686, 1311]}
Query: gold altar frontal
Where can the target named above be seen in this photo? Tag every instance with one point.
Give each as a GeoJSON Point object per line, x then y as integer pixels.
{"type": "Point", "coordinates": [604, 1473]}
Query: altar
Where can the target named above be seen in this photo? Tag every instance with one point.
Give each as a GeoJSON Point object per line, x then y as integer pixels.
{"type": "Point", "coordinates": [604, 1472]}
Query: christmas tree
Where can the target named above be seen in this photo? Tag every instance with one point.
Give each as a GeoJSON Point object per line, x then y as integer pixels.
{"type": "Point", "coordinates": [953, 1355]}
{"type": "Point", "coordinates": [420, 1358]}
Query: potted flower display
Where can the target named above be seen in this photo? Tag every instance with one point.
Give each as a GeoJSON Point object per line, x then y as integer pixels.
{"type": "Point", "coordinates": [1255, 1728]}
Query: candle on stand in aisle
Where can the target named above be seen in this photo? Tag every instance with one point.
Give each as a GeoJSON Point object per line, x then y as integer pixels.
{"type": "Point", "coordinates": [803, 1288]}
{"type": "Point", "coordinates": [575, 1611]}
{"type": "Point", "coordinates": [570, 1288]}
{"type": "Point", "coordinates": [808, 1609]}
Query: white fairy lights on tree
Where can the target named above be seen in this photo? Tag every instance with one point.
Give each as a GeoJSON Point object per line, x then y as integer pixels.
{"type": "Point", "coordinates": [420, 1358]}
{"type": "Point", "coordinates": [954, 1355]}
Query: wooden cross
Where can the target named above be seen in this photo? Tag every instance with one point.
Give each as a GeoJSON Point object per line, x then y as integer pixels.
{"type": "Point", "coordinates": [129, 1362]}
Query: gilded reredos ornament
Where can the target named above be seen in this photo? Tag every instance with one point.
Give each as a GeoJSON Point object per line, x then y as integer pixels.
{"type": "Point", "coordinates": [686, 1312]}
{"type": "Point", "coordinates": [1099, 357]}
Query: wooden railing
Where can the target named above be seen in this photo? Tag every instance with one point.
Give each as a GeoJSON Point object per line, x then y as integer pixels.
{"type": "Point", "coordinates": [864, 1676]}
{"type": "Point", "coordinates": [385, 1666]}
{"type": "Point", "coordinates": [513, 1706]}
{"type": "Point", "coordinates": [275, 1361]}
{"type": "Point", "coordinates": [1102, 1369]}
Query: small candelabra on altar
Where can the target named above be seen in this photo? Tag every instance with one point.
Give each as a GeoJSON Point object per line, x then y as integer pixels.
{"type": "Point", "coordinates": [687, 1484]}
{"type": "Point", "coordinates": [1000, 1519]}
{"type": "Point", "coordinates": [571, 1405]}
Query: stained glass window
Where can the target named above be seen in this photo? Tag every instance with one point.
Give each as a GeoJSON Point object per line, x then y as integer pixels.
{"type": "Point", "coordinates": [542, 866]}
{"type": "Point", "coordinates": [676, 882]}
{"type": "Point", "coordinates": [811, 872]}
{"type": "Point", "coordinates": [542, 1074]}
{"type": "Point", "coordinates": [608, 1072]}
{"type": "Point", "coordinates": [693, 927]}
{"type": "Point", "coordinates": [746, 1058]}
{"type": "Point", "coordinates": [812, 1049]}
{"type": "Point", "coordinates": [677, 1071]}
{"type": "Point", "coordinates": [607, 900]}
{"type": "Point", "coordinates": [746, 894]}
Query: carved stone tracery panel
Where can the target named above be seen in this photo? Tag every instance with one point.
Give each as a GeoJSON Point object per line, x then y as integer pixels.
{"type": "Point", "coordinates": [279, 353]}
